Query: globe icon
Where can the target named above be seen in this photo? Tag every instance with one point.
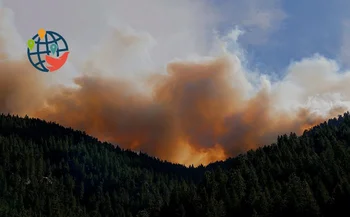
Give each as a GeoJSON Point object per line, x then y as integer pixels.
{"type": "Point", "coordinates": [39, 52]}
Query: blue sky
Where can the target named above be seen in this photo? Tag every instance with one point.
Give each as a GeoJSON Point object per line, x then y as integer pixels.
{"type": "Point", "coordinates": [288, 30]}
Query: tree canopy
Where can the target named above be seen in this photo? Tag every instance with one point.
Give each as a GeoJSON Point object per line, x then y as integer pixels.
{"type": "Point", "coordinates": [49, 170]}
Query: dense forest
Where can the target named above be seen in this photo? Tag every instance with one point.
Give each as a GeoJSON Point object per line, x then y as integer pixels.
{"type": "Point", "coordinates": [49, 170]}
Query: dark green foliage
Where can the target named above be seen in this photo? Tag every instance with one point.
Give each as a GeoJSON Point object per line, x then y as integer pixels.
{"type": "Point", "coordinates": [48, 170]}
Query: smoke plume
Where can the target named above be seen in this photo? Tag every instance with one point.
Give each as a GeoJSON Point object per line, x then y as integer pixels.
{"type": "Point", "coordinates": [195, 110]}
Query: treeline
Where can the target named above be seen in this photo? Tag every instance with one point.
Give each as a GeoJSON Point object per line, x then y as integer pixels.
{"type": "Point", "coordinates": [48, 170]}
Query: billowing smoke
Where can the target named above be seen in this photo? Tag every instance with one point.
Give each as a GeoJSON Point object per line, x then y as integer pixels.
{"type": "Point", "coordinates": [194, 110]}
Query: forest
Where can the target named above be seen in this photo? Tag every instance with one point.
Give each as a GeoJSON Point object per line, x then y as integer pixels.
{"type": "Point", "coordinates": [49, 170]}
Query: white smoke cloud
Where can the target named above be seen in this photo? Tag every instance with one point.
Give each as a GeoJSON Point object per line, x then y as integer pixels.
{"type": "Point", "coordinates": [11, 42]}
{"type": "Point", "coordinates": [178, 28]}
{"type": "Point", "coordinates": [316, 83]}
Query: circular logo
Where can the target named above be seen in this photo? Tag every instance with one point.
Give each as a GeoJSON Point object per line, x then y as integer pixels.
{"type": "Point", "coordinates": [47, 51]}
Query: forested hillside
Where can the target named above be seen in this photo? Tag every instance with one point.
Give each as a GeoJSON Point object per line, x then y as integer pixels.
{"type": "Point", "coordinates": [48, 170]}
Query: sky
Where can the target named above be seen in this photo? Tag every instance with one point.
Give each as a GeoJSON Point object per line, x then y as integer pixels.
{"type": "Point", "coordinates": [277, 32]}
{"type": "Point", "coordinates": [191, 82]}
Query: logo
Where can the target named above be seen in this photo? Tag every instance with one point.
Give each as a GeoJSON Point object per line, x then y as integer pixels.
{"type": "Point", "coordinates": [47, 51]}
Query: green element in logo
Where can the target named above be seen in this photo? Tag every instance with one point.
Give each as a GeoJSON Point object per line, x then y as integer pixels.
{"type": "Point", "coordinates": [53, 48]}
{"type": "Point", "coordinates": [31, 44]}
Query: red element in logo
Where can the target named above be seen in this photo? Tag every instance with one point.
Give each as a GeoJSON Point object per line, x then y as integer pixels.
{"type": "Point", "coordinates": [56, 63]}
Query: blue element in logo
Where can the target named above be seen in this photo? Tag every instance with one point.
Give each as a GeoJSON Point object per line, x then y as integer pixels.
{"type": "Point", "coordinates": [51, 45]}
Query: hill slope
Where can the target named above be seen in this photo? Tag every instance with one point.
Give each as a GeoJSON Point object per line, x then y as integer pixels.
{"type": "Point", "coordinates": [48, 170]}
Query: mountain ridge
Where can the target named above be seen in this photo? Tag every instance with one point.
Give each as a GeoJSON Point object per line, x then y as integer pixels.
{"type": "Point", "coordinates": [49, 170]}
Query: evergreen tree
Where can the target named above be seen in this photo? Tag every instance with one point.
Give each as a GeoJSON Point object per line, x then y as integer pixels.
{"type": "Point", "coordinates": [48, 170]}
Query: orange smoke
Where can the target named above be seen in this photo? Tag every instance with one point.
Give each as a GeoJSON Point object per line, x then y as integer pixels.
{"type": "Point", "coordinates": [194, 114]}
